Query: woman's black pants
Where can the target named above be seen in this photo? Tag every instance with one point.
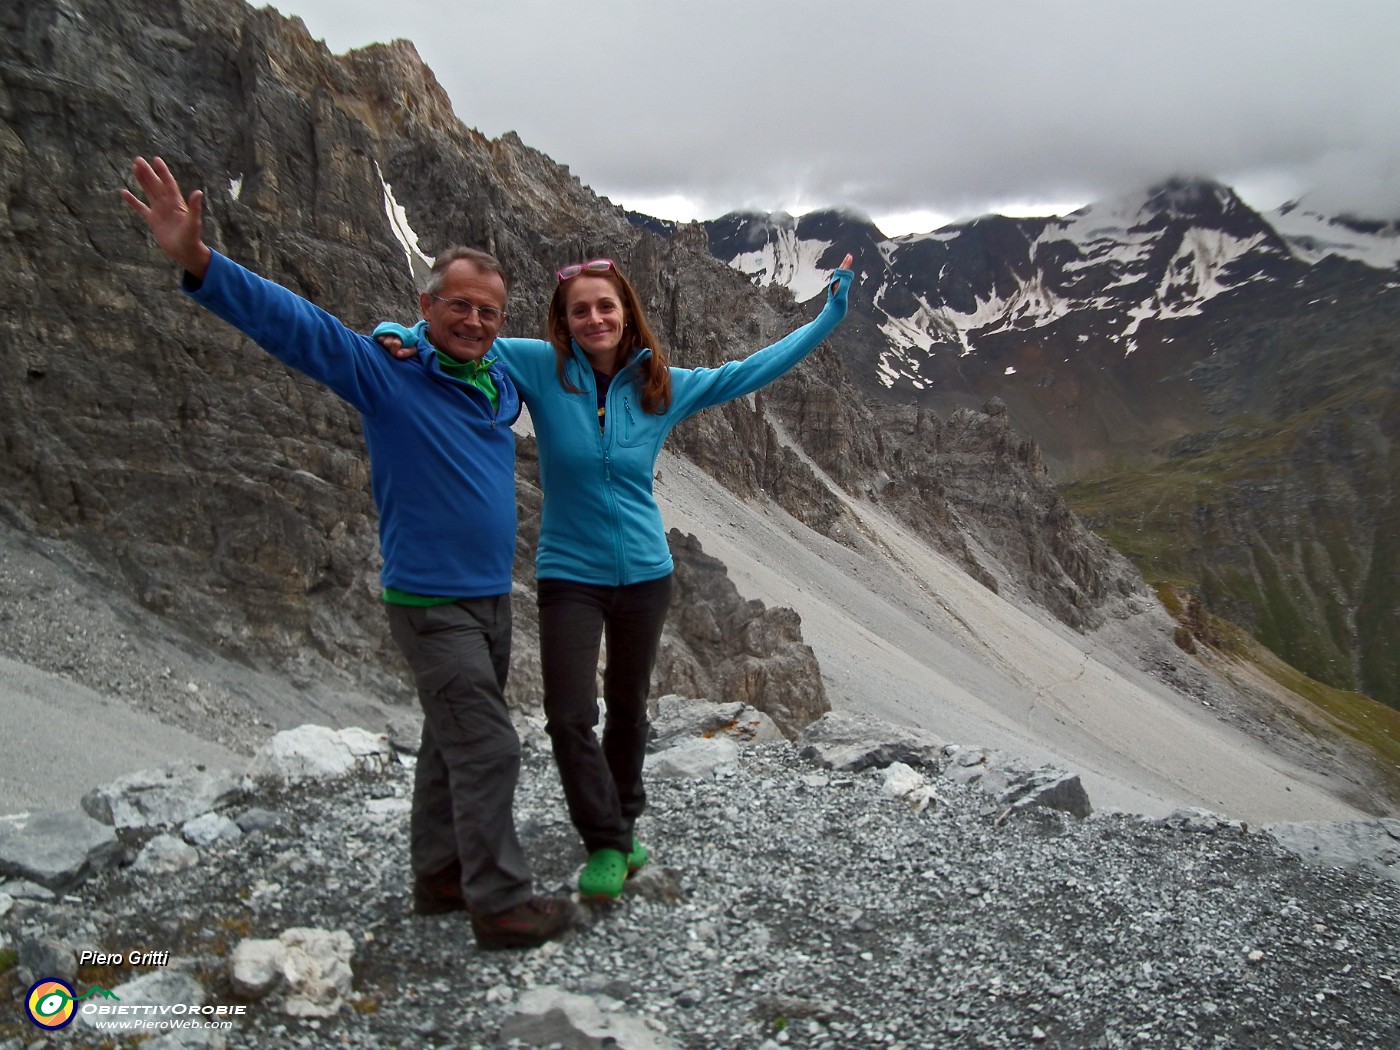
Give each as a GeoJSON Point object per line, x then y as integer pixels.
{"type": "Point", "coordinates": [602, 782]}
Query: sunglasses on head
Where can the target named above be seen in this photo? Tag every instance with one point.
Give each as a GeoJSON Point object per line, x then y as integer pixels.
{"type": "Point", "coordinates": [592, 266]}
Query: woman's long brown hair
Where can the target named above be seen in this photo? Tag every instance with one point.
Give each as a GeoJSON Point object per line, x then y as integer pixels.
{"type": "Point", "coordinates": [655, 371]}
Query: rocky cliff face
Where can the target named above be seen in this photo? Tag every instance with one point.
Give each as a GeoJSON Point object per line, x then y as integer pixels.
{"type": "Point", "coordinates": [1010, 528]}
{"type": "Point", "coordinates": [231, 495]}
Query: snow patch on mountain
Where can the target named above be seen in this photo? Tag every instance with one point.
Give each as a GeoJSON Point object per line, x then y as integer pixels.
{"type": "Point", "coordinates": [1103, 237]}
{"type": "Point", "coordinates": [1313, 237]}
{"type": "Point", "coordinates": [398, 222]}
{"type": "Point", "coordinates": [1195, 275]}
{"type": "Point", "coordinates": [1032, 305]}
{"type": "Point", "coordinates": [913, 336]}
{"type": "Point", "coordinates": [947, 233]}
{"type": "Point", "coordinates": [787, 260]}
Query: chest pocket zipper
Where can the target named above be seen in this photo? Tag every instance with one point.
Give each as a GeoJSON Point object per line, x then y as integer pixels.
{"type": "Point", "coordinates": [628, 431]}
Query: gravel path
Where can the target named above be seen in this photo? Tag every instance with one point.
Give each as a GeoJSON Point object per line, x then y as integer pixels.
{"type": "Point", "coordinates": [790, 906]}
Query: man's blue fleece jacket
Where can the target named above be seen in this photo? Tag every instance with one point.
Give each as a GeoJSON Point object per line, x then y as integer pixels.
{"type": "Point", "coordinates": [600, 523]}
{"type": "Point", "coordinates": [442, 461]}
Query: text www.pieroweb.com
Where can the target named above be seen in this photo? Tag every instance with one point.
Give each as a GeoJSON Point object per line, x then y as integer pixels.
{"type": "Point", "coordinates": [151, 1018]}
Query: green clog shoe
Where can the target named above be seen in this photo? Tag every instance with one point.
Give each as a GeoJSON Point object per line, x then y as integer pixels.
{"type": "Point", "coordinates": [602, 877]}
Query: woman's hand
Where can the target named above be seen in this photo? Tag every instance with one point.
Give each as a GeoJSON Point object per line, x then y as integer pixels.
{"type": "Point", "coordinates": [394, 345]}
{"type": "Point", "coordinates": [845, 265]}
{"type": "Point", "coordinates": [397, 341]}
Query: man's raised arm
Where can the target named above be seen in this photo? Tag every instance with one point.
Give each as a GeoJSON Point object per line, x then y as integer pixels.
{"type": "Point", "coordinates": [292, 329]}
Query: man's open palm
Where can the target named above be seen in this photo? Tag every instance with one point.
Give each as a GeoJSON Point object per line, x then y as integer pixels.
{"type": "Point", "coordinates": [176, 223]}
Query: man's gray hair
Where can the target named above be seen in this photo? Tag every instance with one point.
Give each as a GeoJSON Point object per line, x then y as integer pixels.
{"type": "Point", "coordinates": [437, 276]}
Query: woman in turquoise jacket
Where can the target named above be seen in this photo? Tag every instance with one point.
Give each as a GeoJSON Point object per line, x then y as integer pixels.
{"type": "Point", "coordinates": [603, 397]}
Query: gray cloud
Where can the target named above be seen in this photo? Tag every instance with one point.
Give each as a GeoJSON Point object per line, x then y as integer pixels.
{"type": "Point", "coordinates": [909, 104]}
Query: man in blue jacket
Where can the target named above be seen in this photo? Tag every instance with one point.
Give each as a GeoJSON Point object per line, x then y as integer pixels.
{"type": "Point", "coordinates": [442, 464]}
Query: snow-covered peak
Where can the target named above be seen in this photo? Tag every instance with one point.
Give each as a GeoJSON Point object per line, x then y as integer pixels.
{"type": "Point", "coordinates": [1200, 202]}
{"type": "Point", "coordinates": [1115, 276]}
{"type": "Point", "coordinates": [797, 253]}
{"type": "Point", "coordinates": [1191, 199]}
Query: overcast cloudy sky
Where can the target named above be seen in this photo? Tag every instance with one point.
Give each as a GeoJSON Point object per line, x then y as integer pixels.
{"type": "Point", "coordinates": [917, 112]}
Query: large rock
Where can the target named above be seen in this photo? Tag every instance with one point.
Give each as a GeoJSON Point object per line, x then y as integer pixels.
{"type": "Point", "coordinates": [1014, 785]}
{"type": "Point", "coordinates": [310, 966]}
{"type": "Point", "coordinates": [694, 758]}
{"type": "Point", "coordinates": [1047, 788]}
{"type": "Point", "coordinates": [674, 718]}
{"type": "Point", "coordinates": [311, 752]}
{"type": "Point", "coordinates": [255, 967]}
{"type": "Point", "coordinates": [209, 829]}
{"type": "Point", "coordinates": [56, 849]}
{"type": "Point", "coordinates": [161, 797]}
{"type": "Point", "coordinates": [906, 783]}
{"type": "Point", "coordinates": [852, 743]}
{"type": "Point", "coordinates": [718, 645]}
{"type": "Point", "coordinates": [165, 854]}
{"type": "Point", "coordinates": [316, 967]}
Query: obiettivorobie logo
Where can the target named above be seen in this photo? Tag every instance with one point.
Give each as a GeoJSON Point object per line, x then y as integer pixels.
{"type": "Point", "coordinates": [51, 1003]}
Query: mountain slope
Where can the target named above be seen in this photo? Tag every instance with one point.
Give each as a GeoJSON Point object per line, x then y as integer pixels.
{"type": "Point", "coordinates": [1241, 368]}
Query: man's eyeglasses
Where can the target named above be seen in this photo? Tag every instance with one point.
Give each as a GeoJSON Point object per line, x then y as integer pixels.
{"type": "Point", "coordinates": [462, 308]}
{"type": "Point", "coordinates": [592, 266]}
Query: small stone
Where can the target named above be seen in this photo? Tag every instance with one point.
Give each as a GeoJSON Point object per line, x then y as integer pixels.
{"type": "Point", "coordinates": [165, 854]}
{"type": "Point", "coordinates": [255, 968]}
{"type": "Point", "coordinates": [209, 829]}
{"type": "Point", "coordinates": [256, 819]}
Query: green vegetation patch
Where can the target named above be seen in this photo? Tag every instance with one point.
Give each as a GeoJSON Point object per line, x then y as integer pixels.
{"type": "Point", "coordinates": [1279, 526]}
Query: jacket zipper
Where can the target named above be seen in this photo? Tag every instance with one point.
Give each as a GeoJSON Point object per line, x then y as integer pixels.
{"type": "Point", "coordinates": [605, 447]}
{"type": "Point", "coordinates": [605, 453]}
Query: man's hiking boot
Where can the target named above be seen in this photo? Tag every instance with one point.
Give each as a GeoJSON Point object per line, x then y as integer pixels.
{"type": "Point", "coordinates": [602, 877]}
{"type": "Point", "coordinates": [526, 925]}
{"type": "Point", "coordinates": [439, 892]}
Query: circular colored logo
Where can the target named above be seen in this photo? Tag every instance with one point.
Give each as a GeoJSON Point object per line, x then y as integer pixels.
{"type": "Point", "coordinates": [50, 1003]}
